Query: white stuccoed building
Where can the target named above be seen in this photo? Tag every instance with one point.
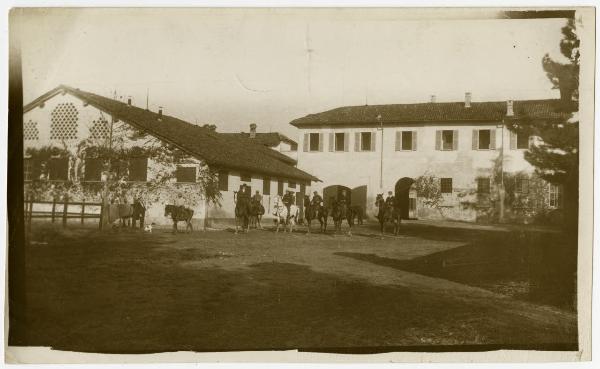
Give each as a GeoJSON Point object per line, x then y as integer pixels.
{"type": "Point", "coordinates": [372, 149]}
{"type": "Point", "coordinates": [67, 131]}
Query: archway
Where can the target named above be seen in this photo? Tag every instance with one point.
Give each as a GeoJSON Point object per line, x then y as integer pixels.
{"type": "Point", "coordinates": [335, 192]}
{"type": "Point", "coordinates": [402, 191]}
{"type": "Point", "coordinates": [359, 197]}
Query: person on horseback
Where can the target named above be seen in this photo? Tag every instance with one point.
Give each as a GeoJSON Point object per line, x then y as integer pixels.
{"type": "Point", "coordinates": [288, 200]}
{"type": "Point", "coordinates": [180, 202]}
{"type": "Point", "coordinates": [317, 199]}
{"type": "Point", "coordinates": [390, 200]}
{"type": "Point", "coordinates": [257, 197]}
{"type": "Point", "coordinates": [342, 199]}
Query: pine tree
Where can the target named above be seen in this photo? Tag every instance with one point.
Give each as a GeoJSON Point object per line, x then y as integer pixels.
{"type": "Point", "coordinates": [556, 157]}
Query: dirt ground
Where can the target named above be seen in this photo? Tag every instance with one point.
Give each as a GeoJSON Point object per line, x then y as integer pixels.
{"type": "Point", "coordinates": [129, 291]}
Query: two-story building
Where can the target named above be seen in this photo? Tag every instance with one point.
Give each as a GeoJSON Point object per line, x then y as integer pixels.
{"type": "Point", "coordinates": [71, 137]}
{"type": "Point", "coordinates": [463, 148]}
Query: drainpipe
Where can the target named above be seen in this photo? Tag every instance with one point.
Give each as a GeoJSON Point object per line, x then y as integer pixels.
{"type": "Point", "coordinates": [381, 150]}
{"type": "Point", "coordinates": [501, 187]}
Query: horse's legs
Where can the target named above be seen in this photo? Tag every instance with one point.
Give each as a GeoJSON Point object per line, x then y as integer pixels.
{"type": "Point", "coordinates": [236, 224]}
{"type": "Point", "coordinates": [308, 221]}
{"type": "Point", "coordinates": [174, 226]}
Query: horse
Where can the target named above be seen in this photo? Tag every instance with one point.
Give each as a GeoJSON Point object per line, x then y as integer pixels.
{"type": "Point", "coordinates": [315, 211]}
{"type": "Point", "coordinates": [129, 214]}
{"type": "Point", "coordinates": [282, 216]}
{"type": "Point", "coordinates": [242, 211]}
{"type": "Point", "coordinates": [387, 213]}
{"type": "Point", "coordinates": [179, 213]}
{"type": "Point", "coordinates": [339, 212]}
{"type": "Point", "coordinates": [256, 213]}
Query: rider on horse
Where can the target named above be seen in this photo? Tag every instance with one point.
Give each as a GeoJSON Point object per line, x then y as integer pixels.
{"type": "Point", "coordinates": [180, 202]}
{"type": "Point", "coordinates": [288, 200]}
{"type": "Point", "coordinates": [390, 200]}
{"type": "Point", "coordinates": [257, 197]}
{"type": "Point", "coordinates": [316, 200]}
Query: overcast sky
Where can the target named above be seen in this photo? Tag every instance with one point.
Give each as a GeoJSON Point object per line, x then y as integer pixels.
{"type": "Point", "coordinates": [234, 67]}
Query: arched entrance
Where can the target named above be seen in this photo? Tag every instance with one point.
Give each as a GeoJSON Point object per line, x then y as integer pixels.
{"type": "Point", "coordinates": [359, 197]}
{"type": "Point", "coordinates": [335, 192]}
{"type": "Point", "coordinates": [402, 191]}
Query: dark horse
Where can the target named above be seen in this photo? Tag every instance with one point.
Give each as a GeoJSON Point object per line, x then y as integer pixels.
{"type": "Point", "coordinates": [340, 211]}
{"type": "Point", "coordinates": [358, 212]}
{"type": "Point", "coordinates": [179, 213]}
{"type": "Point", "coordinates": [315, 211]}
{"type": "Point", "coordinates": [129, 214]}
{"type": "Point", "coordinates": [242, 211]}
{"type": "Point", "coordinates": [387, 213]}
{"type": "Point", "coordinates": [256, 213]}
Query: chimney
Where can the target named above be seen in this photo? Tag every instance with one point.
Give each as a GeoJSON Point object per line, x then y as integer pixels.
{"type": "Point", "coordinates": [129, 100]}
{"type": "Point", "coordinates": [509, 108]}
{"type": "Point", "coordinates": [253, 130]}
{"type": "Point", "coordinates": [432, 98]}
{"type": "Point", "coordinates": [159, 112]}
{"type": "Point", "coordinates": [467, 99]}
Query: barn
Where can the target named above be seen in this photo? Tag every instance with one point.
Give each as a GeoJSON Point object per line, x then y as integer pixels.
{"type": "Point", "coordinates": [86, 146]}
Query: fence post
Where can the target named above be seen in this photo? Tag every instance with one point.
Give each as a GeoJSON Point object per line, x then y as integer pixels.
{"type": "Point", "coordinates": [65, 207]}
{"type": "Point", "coordinates": [82, 210]}
{"type": "Point", "coordinates": [53, 208]}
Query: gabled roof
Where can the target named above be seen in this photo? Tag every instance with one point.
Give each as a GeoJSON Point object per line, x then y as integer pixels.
{"type": "Point", "coordinates": [215, 149]}
{"type": "Point", "coordinates": [262, 140]}
{"type": "Point", "coordinates": [428, 113]}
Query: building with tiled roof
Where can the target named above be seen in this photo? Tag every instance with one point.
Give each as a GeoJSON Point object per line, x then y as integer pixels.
{"type": "Point", "coordinates": [274, 140]}
{"type": "Point", "coordinates": [70, 118]}
{"type": "Point", "coordinates": [367, 150]}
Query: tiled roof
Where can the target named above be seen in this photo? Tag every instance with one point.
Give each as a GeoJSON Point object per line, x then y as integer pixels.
{"type": "Point", "coordinates": [215, 149]}
{"type": "Point", "coordinates": [428, 113]}
{"type": "Point", "coordinates": [270, 139]}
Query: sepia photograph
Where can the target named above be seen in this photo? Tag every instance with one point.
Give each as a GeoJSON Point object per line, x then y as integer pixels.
{"type": "Point", "coordinates": [330, 181]}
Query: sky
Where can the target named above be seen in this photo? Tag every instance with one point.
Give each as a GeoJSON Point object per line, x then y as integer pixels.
{"type": "Point", "coordinates": [233, 67]}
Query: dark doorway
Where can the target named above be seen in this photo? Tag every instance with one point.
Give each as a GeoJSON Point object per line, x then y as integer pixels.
{"type": "Point", "coordinates": [402, 190]}
{"type": "Point", "coordinates": [359, 197]}
{"type": "Point", "coordinates": [335, 192]}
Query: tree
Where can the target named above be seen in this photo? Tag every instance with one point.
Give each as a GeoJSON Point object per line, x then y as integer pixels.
{"type": "Point", "coordinates": [556, 156]}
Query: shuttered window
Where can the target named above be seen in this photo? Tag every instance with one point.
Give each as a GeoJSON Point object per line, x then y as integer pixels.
{"type": "Point", "coordinates": [93, 169]}
{"type": "Point", "coordinates": [522, 141]}
{"type": "Point", "coordinates": [223, 180]}
{"type": "Point", "coordinates": [266, 186]}
{"type": "Point", "coordinates": [280, 187]}
{"type": "Point", "coordinates": [186, 174]}
{"type": "Point", "coordinates": [522, 185]}
{"type": "Point", "coordinates": [340, 141]}
{"type": "Point", "coordinates": [138, 169]}
{"type": "Point", "coordinates": [365, 141]}
{"type": "Point", "coordinates": [314, 141]}
{"type": "Point", "coordinates": [245, 177]}
{"type": "Point", "coordinates": [483, 185]}
{"type": "Point", "coordinates": [292, 184]}
{"type": "Point", "coordinates": [58, 169]}
{"type": "Point", "coordinates": [446, 185]}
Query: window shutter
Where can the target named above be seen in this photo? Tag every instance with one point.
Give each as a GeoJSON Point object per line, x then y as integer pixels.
{"type": "Point", "coordinates": [356, 141]}
{"type": "Point", "coordinates": [331, 141]}
{"type": "Point", "coordinates": [138, 169]}
{"type": "Point", "coordinates": [414, 140]}
{"type": "Point", "coordinates": [398, 140]}
{"type": "Point", "coordinates": [455, 140]}
{"type": "Point", "coordinates": [493, 139]}
{"type": "Point", "coordinates": [305, 143]}
{"type": "Point", "coordinates": [223, 180]}
{"type": "Point", "coordinates": [513, 140]}
{"type": "Point", "coordinates": [438, 140]}
{"type": "Point", "coordinates": [475, 139]}
{"type": "Point", "coordinates": [373, 140]}
{"type": "Point", "coordinates": [320, 142]}
{"type": "Point", "coordinates": [266, 186]}
{"type": "Point", "coordinates": [346, 141]}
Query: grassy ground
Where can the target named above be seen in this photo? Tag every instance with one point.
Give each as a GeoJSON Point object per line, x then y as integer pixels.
{"type": "Point", "coordinates": [136, 292]}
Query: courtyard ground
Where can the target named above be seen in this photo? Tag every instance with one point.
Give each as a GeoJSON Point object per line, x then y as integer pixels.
{"type": "Point", "coordinates": [431, 288]}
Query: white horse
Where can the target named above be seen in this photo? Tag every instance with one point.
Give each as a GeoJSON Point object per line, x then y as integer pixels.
{"type": "Point", "coordinates": [282, 217]}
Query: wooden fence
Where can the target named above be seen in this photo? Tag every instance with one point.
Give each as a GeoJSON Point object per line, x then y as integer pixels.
{"type": "Point", "coordinates": [60, 211]}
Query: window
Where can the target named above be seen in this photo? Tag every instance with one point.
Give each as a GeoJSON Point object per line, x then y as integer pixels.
{"type": "Point", "coordinates": [314, 141]}
{"type": "Point", "coordinates": [138, 169]}
{"type": "Point", "coordinates": [245, 177]}
{"type": "Point", "coordinates": [365, 141]}
{"type": "Point", "coordinates": [554, 196]}
{"type": "Point", "coordinates": [522, 141]}
{"type": "Point", "coordinates": [223, 180]}
{"type": "Point", "coordinates": [280, 187]}
{"type": "Point", "coordinates": [483, 185]}
{"type": "Point", "coordinates": [447, 140]}
{"type": "Point", "coordinates": [522, 185]}
{"type": "Point", "coordinates": [407, 141]}
{"type": "Point", "coordinates": [93, 169]}
{"type": "Point", "coordinates": [28, 169]}
{"type": "Point", "coordinates": [294, 147]}
{"type": "Point", "coordinates": [446, 185]}
{"type": "Point", "coordinates": [186, 174]}
{"type": "Point", "coordinates": [339, 141]}
{"type": "Point", "coordinates": [30, 130]}
{"type": "Point", "coordinates": [266, 186]}
{"type": "Point", "coordinates": [100, 129]}
{"type": "Point", "coordinates": [484, 139]}
{"type": "Point", "coordinates": [292, 184]}
{"type": "Point", "coordinates": [58, 169]}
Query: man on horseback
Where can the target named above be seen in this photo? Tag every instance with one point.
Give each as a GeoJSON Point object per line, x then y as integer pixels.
{"type": "Point", "coordinates": [317, 199]}
{"type": "Point", "coordinates": [257, 197]}
{"type": "Point", "coordinates": [288, 200]}
{"type": "Point", "coordinates": [180, 202]}
{"type": "Point", "coordinates": [390, 200]}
